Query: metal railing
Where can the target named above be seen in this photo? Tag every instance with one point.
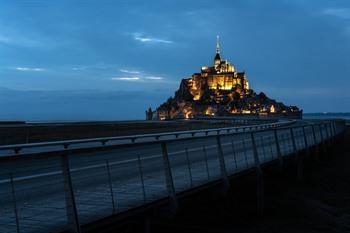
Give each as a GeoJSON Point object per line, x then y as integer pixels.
{"type": "Point", "coordinates": [62, 190]}
{"type": "Point", "coordinates": [17, 148]}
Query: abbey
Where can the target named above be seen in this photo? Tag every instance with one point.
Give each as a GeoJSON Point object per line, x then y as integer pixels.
{"type": "Point", "coordinates": [221, 76]}
{"type": "Point", "coordinates": [219, 90]}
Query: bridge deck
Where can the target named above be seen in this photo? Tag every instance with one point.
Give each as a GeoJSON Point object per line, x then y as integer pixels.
{"type": "Point", "coordinates": [112, 179]}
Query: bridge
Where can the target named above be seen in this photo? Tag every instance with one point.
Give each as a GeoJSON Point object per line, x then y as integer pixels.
{"type": "Point", "coordinates": [63, 186]}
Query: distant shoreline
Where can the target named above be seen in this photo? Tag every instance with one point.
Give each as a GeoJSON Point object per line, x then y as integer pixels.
{"type": "Point", "coordinates": [319, 115]}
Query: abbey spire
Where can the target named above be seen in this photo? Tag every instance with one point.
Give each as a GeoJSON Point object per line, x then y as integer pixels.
{"type": "Point", "coordinates": [217, 59]}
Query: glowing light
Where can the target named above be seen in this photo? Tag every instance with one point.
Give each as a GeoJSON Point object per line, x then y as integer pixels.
{"type": "Point", "coordinates": [272, 109]}
{"type": "Point", "coordinates": [196, 97]}
{"type": "Point", "coordinates": [188, 114]}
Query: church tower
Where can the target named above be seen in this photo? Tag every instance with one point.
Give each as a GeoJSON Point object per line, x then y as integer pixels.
{"type": "Point", "coordinates": [217, 59]}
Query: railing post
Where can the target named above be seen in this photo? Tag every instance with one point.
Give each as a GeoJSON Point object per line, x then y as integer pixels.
{"type": "Point", "coordinates": [327, 133]}
{"type": "Point", "coordinates": [169, 178]}
{"type": "Point", "coordinates": [314, 134]}
{"type": "Point", "coordinates": [299, 162]}
{"type": "Point", "coordinates": [333, 129]}
{"type": "Point", "coordinates": [260, 178]}
{"type": "Point", "coordinates": [271, 147]}
{"type": "Point", "coordinates": [189, 167]}
{"type": "Point", "coordinates": [323, 145]}
{"type": "Point", "coordinates": [245, 152]}
{"type": "Point", "coordinates": [330, 133]}
{"type": "Point", "coordinates": [141, 177]}
{"type": "Point", "coordinates": [14, 199]}
{"type": "Point", "coordinates": [255, 151]}
{"type": "Point", "coordinates": [226, 183]}
{"type": "Point", "coordinates": [305, 139]}
{"type": "Point", "coordinates": [315, 146]}
{"type": "Point", "coordinates": [278, 149]}
{"type": "Point", "coordinates": [293, 140]}
{"type": "Point", "coordinates": [263, 147]}
{"type": "Point", "coordinates": [321, 133]}
{"type": "Point", "coordinates": [234, 154]}
{"type": "Point", "coordinates": [71, 208]}
{"type": "Point", "coordinates": [330, 129]}
{"type": "Point", "coordinates": [110, 185]}
{"type": "Point", "coordinates": [206, 161]}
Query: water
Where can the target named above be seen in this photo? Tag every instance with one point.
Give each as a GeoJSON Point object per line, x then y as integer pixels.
{"type": "Point", "coordinates": [327, 115]}
{"type": "Point", "coordinates": [330, 115]}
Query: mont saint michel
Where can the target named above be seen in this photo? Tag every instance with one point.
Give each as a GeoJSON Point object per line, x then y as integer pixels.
{"type": "Point", "coordinates": [220, 90]}
{"type": "Point", "coordinates": [255, 136]}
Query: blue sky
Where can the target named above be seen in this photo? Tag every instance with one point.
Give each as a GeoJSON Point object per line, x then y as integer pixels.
{"type": "Point", "coordinates": [85, 59]}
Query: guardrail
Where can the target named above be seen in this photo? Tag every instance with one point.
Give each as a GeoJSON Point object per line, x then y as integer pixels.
{"type": "Point", "coordinates": [32, 132]}
{"type": "Point", "coordinates": [16, 148]}
{"type": "Point", "coordinates": [63, 190]}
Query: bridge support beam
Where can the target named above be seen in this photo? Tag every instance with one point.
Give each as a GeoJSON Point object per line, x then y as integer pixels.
{"type": "Point", "coordinates": [259, 179]}
{"type": "Point", "coordinates": [14, 199]}
{"type": "Point", "coordinates": [169, 179]}
{"type": "Point", "coordinates": [316, 148]}
{"type": "Point", "coordinates": [322, 143]}
{"type": "Point", "coordinates": [71, 208]}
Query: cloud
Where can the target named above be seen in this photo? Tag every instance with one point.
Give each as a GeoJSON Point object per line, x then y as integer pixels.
{"type": "Point", "coordinates": [154, 77]}
{"type": "Point", "coordinates": [129, 71]}
{"type": "Point", "coordinates": [4, 39]}
{"type": "Point", "coordinates": [35, 69]}
{"type": "Point", "coordinates": [144, 39]}
{"type": "Point", "coordinates": [347, 30]}
{"type": "Point", "coordinates": [136, 75]}
{"type": "Point", "coordinates": [126, 78]}
{"type": "Point", "coordinates": [19, 40]}
{"type": "Point", "coordinates": [138, 78]}
{"type": "Point", "coordinates": [78, 68]}
{"type": "Point", "coordinates": [343, 13]}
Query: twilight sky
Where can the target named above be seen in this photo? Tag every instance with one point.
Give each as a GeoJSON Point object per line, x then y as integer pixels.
{"type": "Point", "coordinates": [105, 60]}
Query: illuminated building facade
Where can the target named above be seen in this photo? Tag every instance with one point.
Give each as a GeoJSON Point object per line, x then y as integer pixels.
{"type": "Point", "coordinates": [219, 90]}
{"type": "Point", "coordinates": [222, 76]}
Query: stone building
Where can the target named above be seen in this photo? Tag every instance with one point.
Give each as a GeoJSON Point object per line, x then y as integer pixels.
{"type": "Point", "coordinates": [221, 76]}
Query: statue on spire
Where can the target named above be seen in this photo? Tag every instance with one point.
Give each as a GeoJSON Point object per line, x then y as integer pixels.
{"type": "Point", "coordinates": [217, 44]}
